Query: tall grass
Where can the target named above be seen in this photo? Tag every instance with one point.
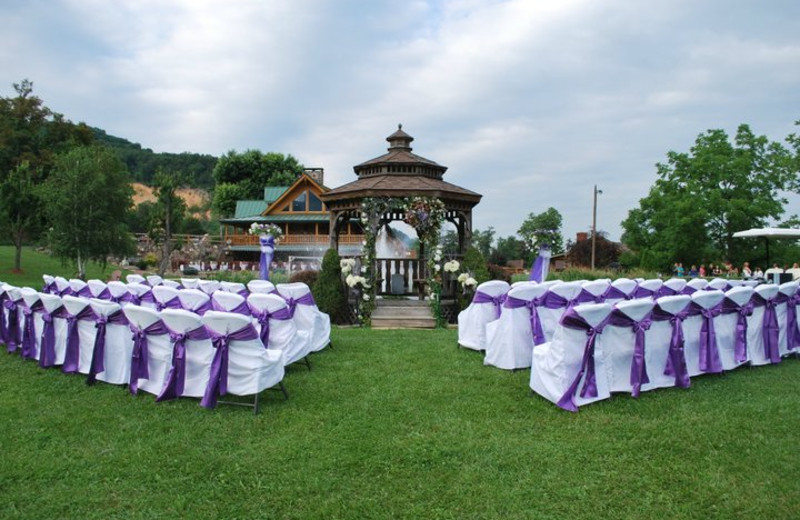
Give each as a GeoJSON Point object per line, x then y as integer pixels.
{"type": "Point", "coordinates": [35, 263]}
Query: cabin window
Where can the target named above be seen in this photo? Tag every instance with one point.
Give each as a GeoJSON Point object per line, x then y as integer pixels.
{"type": "Point", "coordinates": [314, 204]}
{"type": "Point", "coordinates": [299, 204]}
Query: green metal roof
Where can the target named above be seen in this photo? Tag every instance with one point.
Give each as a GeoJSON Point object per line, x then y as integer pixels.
{"type": "Point", "coordinates": [322, 217]}
{"type": "Point", "coordinates": [272, 193]}
{"type": "Point", "coordinates": [249, 208]}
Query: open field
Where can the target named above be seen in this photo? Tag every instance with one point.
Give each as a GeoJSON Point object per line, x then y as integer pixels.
{"type": "Point", "coordinates": [34, 264]}
{"type": "Point", "coordinates": [400, 424]}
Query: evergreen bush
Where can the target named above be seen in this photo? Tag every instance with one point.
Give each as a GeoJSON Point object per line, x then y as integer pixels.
{"type": "Point", "coordinates": [475, 264]}
{"type": "Point", "coordinates": [329, 291]}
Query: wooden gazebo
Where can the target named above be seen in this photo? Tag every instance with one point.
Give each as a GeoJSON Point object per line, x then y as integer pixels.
{"type": "Point", "coordinates": [400, 174]}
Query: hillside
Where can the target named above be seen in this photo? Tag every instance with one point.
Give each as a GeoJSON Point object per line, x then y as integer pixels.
{"type": "Point", "coordinates": [193, 197]}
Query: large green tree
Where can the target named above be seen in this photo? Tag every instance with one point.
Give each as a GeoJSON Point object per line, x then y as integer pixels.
{"type": "Point", "coordinates": [86, 198]}
{"type": "Point", "coordinates": [542, 228]}
{"type": "Point", "coordinates": [701, 198]}
{"type": "Point", "coordinates": [244, 176]}
{"type": "Point", "coordinates": [170, 211]}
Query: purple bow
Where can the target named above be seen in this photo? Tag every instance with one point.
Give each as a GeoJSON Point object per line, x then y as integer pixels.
{"type": "Point", "coordinates": [676, 362]}
{"type": "Point", "coordinates": [98, 353]}
{"type": "Point", "coordinates": [742, 312]}
{"type": "Point", "coordinates": [147, 297]}
{"type": "Point", "coordinates": [536, 327]}
{"type": "Point", "coordinates": [769, 327]}
{"type": "Point", "coordinates": [126, 297]}
{"type": "Point", "coordinates": [263, 316]}
{"type": "Point", "coordinates": [47, 352]}
{"type": "Point", "coordinates": [218, 379]}
{"type": "Point", "coordinates": [72, 354]}
{"type": "Point", "coordinates": [172, 303]}
{"type": "Point", "coordinates": [29, 330]}
{"type": "Point", "coordinates": [139, 355]}
{"type": "Point", "coordinates": [709, 351]}
{"type": "Point", "coordinates": [638, 364]}
{"type": "Point", "coordinates": [573, 320]}
{"type": "Point", "coordinates": [12, 330]}
{"type": "Point", "coordinates": [306, 299]}
{"type": "Point", "coordinates": [201, 309]}
{"type": "Point", "coordinates": [173, 387]}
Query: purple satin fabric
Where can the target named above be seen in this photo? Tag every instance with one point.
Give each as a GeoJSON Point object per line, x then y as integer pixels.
{"type": "Point", "coordinates": [173, 387]}
{"type": "Point", "coordinates": [49, 288]}
{"type": "Point", "coordinates": [769, 327]}
{"type": "Point", "coordinates": [147, 297]}
{"type": "Point", "coordinates": [666, 291]}
{"type": "Point", "coordinates": [85, 292]}
{"type": "Point", "coordinates": [105, 294]}
{"type": "Point", "coordinates": [12, 327]}
{"type": "Point", "coordinates": [218, 380]}
{"type": "Point", "coordinates": [47, 351]}
{"type": "Point", "coordinates": [306, 299]}
{"type": "Point", "coordinates": [709, 351]}
{"type": "Point", "coordinates": [72, 354]}
{"type": "Point", "coordinates": [792, 327]}
{"type": "Point", "coordinates": [173, 303]}
{"type": "Point", "coordinates": [573, 320]}
{"type": "Point", "coordinates": [127, 297]}
{"type": "Point", "coordinates": [139, 355]}
{"type": "Point", "coordinates": [639, 376]}
{"type": "Point", "coordinates": [644, 292]}
{"type": "Point", "coordinates": [740, 339]}
{"type": "Point", "coordinates": [29, 330]}
{"type": "Point", "coordinates": [98, 353]}
{"type": "Point", "coordinates": [536, 326]}
{"type": "Point", "coordinates": [676, 361]}
{"type": "Point", "coordinates": [263, 317]}
{"type": "Point", "coordinates": [586, 297]}
{"type": "Point", "coordinates": [242, 308]}
{"type": "Point", "coordinates": [613, 293]}
{"type": "Point", "coordinates": [201, 309]}
{"type": "Point", "coordinates": [3, 329]}
{"type": "Point", "coordinates": [688, 290]}
{"type": "Point", "coordinates": [244, 292]}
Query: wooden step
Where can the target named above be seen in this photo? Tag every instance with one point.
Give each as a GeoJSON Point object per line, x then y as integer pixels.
{"type": "Point", "coordinates": [402, 314]}
{"type": "Point", "coordinates": [403, 323]}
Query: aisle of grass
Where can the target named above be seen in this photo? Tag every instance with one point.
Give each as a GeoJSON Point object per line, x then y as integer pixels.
{"type": "Point", "coordinates": [400, 424]}
{"type": "Point", "coordinates": [35, 263]}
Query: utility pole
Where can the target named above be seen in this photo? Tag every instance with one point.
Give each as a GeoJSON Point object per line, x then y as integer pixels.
{"type": "Point", "coordinates": [594, 222]}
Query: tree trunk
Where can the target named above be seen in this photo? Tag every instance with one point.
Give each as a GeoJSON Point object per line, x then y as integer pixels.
{"type": "Point", "coordinates": [18, 252]}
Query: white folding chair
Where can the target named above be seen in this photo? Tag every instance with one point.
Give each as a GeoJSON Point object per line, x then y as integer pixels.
{"type": "Point", "coordinates": [53, 344]}
{"type": "Point", "coordinates": [152, 350]}
{"type": "Point", "coordinates": [135, 278]}
{"type": "Point", "coordinates": [593, 291]}
{"type": "Point", "coordinates": [569, 371]}
{"type": "Point", "coordinates": [195, 300]}
{"type": "Point", "coordinates": [649, 288]}
{"type": "Point", "coordinates": [234, 287]}
{"type": "Point", "coordinates": [665, 356]}
{"type": "Point", "coordinates": [763, 333]}
{"type": "Point", "coordinates": [241, 364]}
{"type": "Point", "coordinates": [99, 289]}
{"type": "Point", "coordinates": [306, 315]}
{"type": "Point", "coordinates": [209, 286]}
{"type": "Point", "coordinates": [731, 326]}
{"type": "Point", "coordinates": [191, 355]}
{"type": "Point", "coordinates": [556, 301]}
{"type": "Point", "coordinates": [81, 333]}
{"type": "Point", "coordinates": [672, 287]}
{"type": "Point", "coordinates": [277, 329]}
{"type": "Point", "coordinates": [113, 346]}
{"type": "Point", "coordinates": [190, 283]}
{"type": "Point", "coordinates": [31, 334]}
{"type": "Point", "coordinates": [166, 297]}
{"type": "Point", "coordinates": [154, 280]}
{"type": "Point", "coordinates": [143, 294]}
{"type": "Point", "coordinates": [702, 351]}
{"type": "Point", "coordinates": [510, 339]}
{"type": "Point", "coordinates": [13, 317]}
{"type": "Point", "coordinates": [486, 306]}
{"type": "Point", "coordinates": [229, 302]}
{"type": "Point", "coordinates": [620, 289]}
{"type": "Point", "coordinates": [624, 344]}
{"type": "Point", "coordinates": [261, 286]}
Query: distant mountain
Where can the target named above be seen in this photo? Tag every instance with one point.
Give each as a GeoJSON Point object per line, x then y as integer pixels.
{"type": "Point", "coordinates": [143, 162]}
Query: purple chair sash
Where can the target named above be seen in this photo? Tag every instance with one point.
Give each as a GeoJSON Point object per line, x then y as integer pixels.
{"type": "Point", "coordinates": [201, 309]}
{"type": "Point", "coordinates": [147, 297]}
{"type": "Point", "coordinates": [769, 327]}
{"type": "Point", "coordinates": [12, 328]}
{"type": "Point", "coordinates": [587, 297]}
{"type": "Point", "coordinates": [3, 329]}
{"type": "Point", "coordinates": [173, 387]}
{"type": "Point", "coordinates": [218, 380]}
{"type": "Point", "coordinates": [127, 297]}
{"type": "Point", "coordinates": [573, 320]}
{"type": "Point", "coordinates": [689, 290]}
{"type": "Point", "coordinates": [49, 288]}
{"type": "Point", "coordinates": [638, 364]}
{"type": "Point", "coordinates": [676, 362]}
{"type": "Point", "coordinates": [536, 325]}
{"type": "Point", "coordinates": [244, 292]}
{"type": "Point", "coordinates": [98, 353]}
{"type": "Point", "coordinates": [72, 354]}
{"type": "Point", "coordinates": [139, 355]}
{"type": "Point", "coordinates": [709, 351]}
{"type": "Point", "coordinates": [172, 303]}
{"type": "Point", "coordinates": [29, 330]}
{"type": "Point", "coordinates": [84, 292]}
{"type": "Point", "coordinates": [263, 316]}
{"type": "Point", "coordinates": [242, 308]}
{"type": "Point", "coordinates": [740, 340]}
{"type": "Point", "coordinates": [105, 294]}
{"type": "Point", "coordinates": [792, 330]}
{"type": "Point", "coordinates": [47, 351]}
{"type": "Point", "coordinates": [306, 299]}
{"type": "Point", "coordinates": [644, 292]}
{"type": "Point", "coordinates": [614, 293]}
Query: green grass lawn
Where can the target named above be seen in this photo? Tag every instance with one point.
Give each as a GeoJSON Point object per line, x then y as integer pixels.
{"type": "Point", "coordinates": [400, 424]}
{"type": "Point", "coordinates": [34, 264]}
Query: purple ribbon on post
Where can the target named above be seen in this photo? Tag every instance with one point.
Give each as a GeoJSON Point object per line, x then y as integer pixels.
{"type": "Point", "coordinates": [769, 327]}
{"type": "Point", "coordinates": [139, 355]}
{"type": "Point", "coordinates": [263, 316]}
{"type": "Point", "coordinates": [676, 361]}
{"type": "Point", "coordinates": [536, 326]}
{"type": "Point", "coordinates": [29, 330]}
{"type": "Point", "coordinates": [267, 243]}
{"type": "Point", "coordinates": [481, 297]}
{"type": "Point", "coordinates": [173, 387]}
{"type": "Point", "coordinates": [12, 329]}
{"type": "Point", "coordinates": [742, 312]}
{"type": "Point", "coordinates": [72, 354]}
{"type": "Point", "coordinates": [47, 352]}
{"type": "Point", "coordinates": [573, 320]}
{"type": "Point", "coordinates": [98, 353]}
{"type": "Point", "coordinates": [218, 380]}
{"type": "Point", "coordinates": [639, 376]}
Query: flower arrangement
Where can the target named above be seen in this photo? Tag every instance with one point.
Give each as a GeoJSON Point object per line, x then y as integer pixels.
{"type": "Point", "coordinates": [467, 281]}
{"type": "Point", "coordinates": [425, 215]}
{"type": "Point", "coordinates": [257, 228]}
{"type": "Point", "coordinates": [347, 265]}
{"type": "Point", "coordinates": [452, 266]}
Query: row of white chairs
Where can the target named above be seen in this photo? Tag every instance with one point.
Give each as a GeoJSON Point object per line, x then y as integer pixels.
{"type": "Point", "coordinates": [171, 353]}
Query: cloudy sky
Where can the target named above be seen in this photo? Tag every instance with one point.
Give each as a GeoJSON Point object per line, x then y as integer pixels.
{"type": "Point", "coordinates": [529, 102]}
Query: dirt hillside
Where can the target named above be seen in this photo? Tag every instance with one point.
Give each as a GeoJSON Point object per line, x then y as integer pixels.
{"type": "Point", "coordinates": [193, 197]}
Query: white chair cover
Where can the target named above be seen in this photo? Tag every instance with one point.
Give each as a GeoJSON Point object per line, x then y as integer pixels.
{"type": "Point", "coordinates": [557, 300]}
{"type": "Point", "coordinates": [472, 320]}
{"type": "Point", "coordinates": [154, 279]}
{"type": "Point", "coordinates": [82, 319]}
{"type": "Point", "coordinates": [251, 368]}
{"type": "Point", "coordinates": [195, 300]}
{"type": "Point", "coordinates": [700, 347]}
{"type": "Point", "coordinates": [260, 286]}
{"type": "Point", "coordinates": [650, 288]}
{"type": "Point", "coordinates": [282, 334]}
{"type": "Point", "coordinates": [120, 293]}
{"type": "Point", "coordinates": [171, 283]}
{"type": "Point", "coordinates": [99, 289]}
{"type": "Point", "coordinates": [621, 289]}
{"type": "Point", "coordinates": [144, 293]}
{"type": "Point", "coordinates": [48, 282]}
{"type": "Point", "coordinates": [509, 339]}
{"type": "Point", "coordinates": [147, 322]}
{"type": "Point", "coordinates": [190, 283]}
{"type": "Point", "coordinates": [627, 369]}
{"type": "Point", "coordinates": [12, 316]}
{"type": "Point", "coordinates": [305, 313]}
{"type": "Point", "coordinates": [696, 284]}
{"type": "Point", "coordinates": [80, 288]}
{"type": "Point", "coordinates": [673, 286]}
{"type": "Point", "coordinates": [31, 321]}
{"type": "Point", "coordinates": [665, 355]}
{"type": "Point", "coordinates": [118, 344]}
{"type": "Point", "coordinates": [735, 308]}
{"type": "Point", "coordinates": [561, 370]}
{"type": "Point", "coordinates": [756, 346]}
{"type": "Point", "coordinates": [62, 285]}
{"type": "Point", "coordinates": [135, 278]}
{"type": "Point", "coordinates": [234, 287]}
{"type": "Point", "coordinates": [229, 302]}
{"type": "Point", "coordinates": [594, 291]}
{"type": "Point", "coordinates": [166, 297]}
{"type": "Point", "coordinates": [209, 286]}
{"type": "Point", "coordinates": [786, 292]}
{"type": "Point", "coordinates": [197, 355]}
{"type": "Point", "coordinates": [53, 307]}
{"type": "Point", "coordinates": [720, 284]}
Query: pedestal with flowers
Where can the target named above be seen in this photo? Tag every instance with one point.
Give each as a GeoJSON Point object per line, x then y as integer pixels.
{"type": "Point", "coordinates": [268, 236]}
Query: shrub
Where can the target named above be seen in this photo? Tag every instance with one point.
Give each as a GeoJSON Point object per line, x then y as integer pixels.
{"type": "Point", "coordinates": [190, 271]}
{"type": "Point", "coordinates": [497, 273]}
{"type": "Point", "coordinates": [307, 277]}
{"type": "Point", "coordinates": [475, 264]}
{"type": "Point", "coordinates": [329, 291]}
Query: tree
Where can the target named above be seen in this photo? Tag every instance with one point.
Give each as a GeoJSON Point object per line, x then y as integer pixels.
{"type": "Point", "coordinates": [703, 197]}
{"type": "Point", "coordinates": [508, 248]}
{"type": "Point", "coordinates": [19, 207]}
{"type": "Point", "coordinates": [606, 251]}
{"type": "Point", "coordinates": [86, 198]}
{"type": "Point", "coordinates": [542, 228]}
{"type": "Point", "coordinates": [329, 291]}
{"type": "Point", "coordinates": [482, 241]}
{"type": "Point", "coordinates": [250, 172]}
{"type": "Point", "coordinates": [169, 214]}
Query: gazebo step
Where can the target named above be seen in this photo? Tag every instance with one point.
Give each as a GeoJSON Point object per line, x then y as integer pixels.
{"type": "Point", "coordinates": [403, 323]}
{"type": "Point", "coordinates": [401, 312]}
